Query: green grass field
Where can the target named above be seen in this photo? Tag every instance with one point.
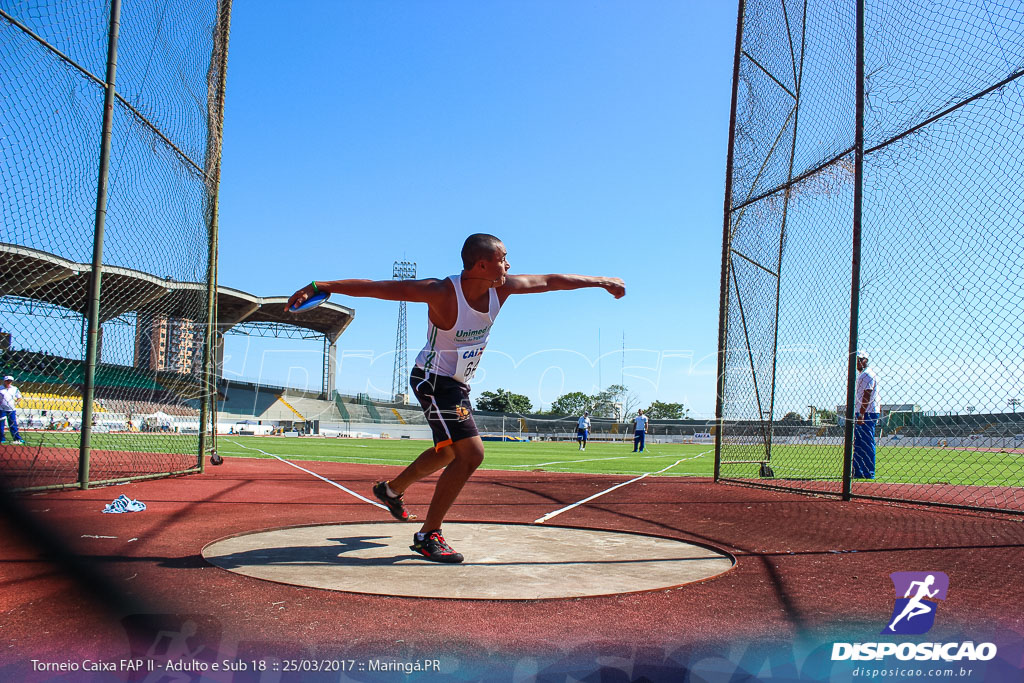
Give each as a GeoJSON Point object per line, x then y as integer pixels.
{"type": "Point", "coordinates": [893, 464]}
{"type": "Point", "coordinates": [145, 442]}
{"type": "Point", "coordinates": [896, 465]}
{"type": "Point", "coordinates": [599, 458]}
{"type": "Point", "coordinates": [902, 464]}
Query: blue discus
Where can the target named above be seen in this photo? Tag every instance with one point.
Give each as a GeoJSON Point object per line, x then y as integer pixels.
{"type": "Point", "coordinates": [311, 302]}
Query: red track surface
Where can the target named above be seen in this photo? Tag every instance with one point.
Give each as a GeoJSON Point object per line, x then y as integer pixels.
{"type": "Point", "coordinates": [808, 568]}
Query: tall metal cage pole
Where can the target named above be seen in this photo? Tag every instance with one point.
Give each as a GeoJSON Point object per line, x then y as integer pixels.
{"type": "Point", "coordinates": [95, 281]}
{"type": "Point", "coordinates": [723, 293]}
{"type": "Point", "coordinates": [403, 270]}
{"type": "Point", "coordinates": [798, 72]}
{"type": "Point", "coordinates": [858, 193]}
{"type": "Point", "coordinates": [214, 140]}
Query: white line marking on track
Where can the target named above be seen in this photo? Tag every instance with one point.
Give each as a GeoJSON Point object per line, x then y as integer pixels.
{"type": "Point", "coordinates": [569, 462]}
{"type": "Point", "coordinates": [326, 458]}
{"type": "Point", "coordinates": [555, 513]}
{"type": "Point", "coordinates": [623, 457]}
{"type": "Point", "coordinates": [332, 483]}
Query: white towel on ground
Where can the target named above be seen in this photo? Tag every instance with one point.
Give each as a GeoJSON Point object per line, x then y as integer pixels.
{"type": "Point", "coordinates": [124, 504]}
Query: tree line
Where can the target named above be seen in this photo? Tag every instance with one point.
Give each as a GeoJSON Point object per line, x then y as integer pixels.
{"type": "Point", "coordinates": [616, 402]}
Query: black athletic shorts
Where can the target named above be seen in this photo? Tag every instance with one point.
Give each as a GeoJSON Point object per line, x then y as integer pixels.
{"type": "Point", "coordinates": [446, 404]}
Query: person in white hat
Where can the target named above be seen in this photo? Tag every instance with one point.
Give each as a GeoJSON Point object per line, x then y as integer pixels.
{"type": "Point", "coordinates": [9, 397]}
{"type": "Point", "coordinates": [866, 412]}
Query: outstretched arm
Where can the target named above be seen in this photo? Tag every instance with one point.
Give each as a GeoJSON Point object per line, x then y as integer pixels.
{"type": "Point", "coordinates": [429, 291]}
{"type": "Point", "coordinates": [532, 284]}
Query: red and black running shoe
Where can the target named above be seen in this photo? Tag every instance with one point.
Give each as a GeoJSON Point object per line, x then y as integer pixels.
{"type": "Point", "coordinates": [394, 503]}
{"type": "Point", "coordinates": [435, 548]}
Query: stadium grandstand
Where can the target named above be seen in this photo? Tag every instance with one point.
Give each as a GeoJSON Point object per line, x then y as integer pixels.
{"type": "Point", "coordinates": [158, 390]}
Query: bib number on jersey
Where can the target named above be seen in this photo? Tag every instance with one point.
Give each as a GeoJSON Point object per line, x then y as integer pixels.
{"type": "Point", "coordinates": [469, 361]}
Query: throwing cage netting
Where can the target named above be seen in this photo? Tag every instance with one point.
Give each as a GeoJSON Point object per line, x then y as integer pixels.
{"type": "Point", "coordinates": [873, 203]}
{"type": "Point", "coordinates": [109, 151]}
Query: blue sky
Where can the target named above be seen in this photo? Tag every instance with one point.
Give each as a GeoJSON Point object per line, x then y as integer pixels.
{"type": "Point", "coordinates": [590, 136]}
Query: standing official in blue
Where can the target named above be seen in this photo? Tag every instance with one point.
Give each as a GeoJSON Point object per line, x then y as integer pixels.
{"type": "Point", "coordinates": [583, 430]}
{"type": "Point", "coordinates": [639, 430]}
{"type": "Point", "coordinates": [460, 312]}
{"type": "Point", "coordinates": [9, 397]}
{"type": "Point", "coordinates": [866, 407]}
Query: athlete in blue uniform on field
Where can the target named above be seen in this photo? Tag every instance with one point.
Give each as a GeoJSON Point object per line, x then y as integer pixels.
{"type": "Point", "coordinates": [460, 312]}
{"type": "Point", "coordinates": [583, 430]}
{"type": "Point", "coordinates": [639, 430]}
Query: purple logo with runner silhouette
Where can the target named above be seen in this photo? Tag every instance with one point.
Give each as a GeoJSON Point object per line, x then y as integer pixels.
{"type": "Point", "coordinates": [917, 596]}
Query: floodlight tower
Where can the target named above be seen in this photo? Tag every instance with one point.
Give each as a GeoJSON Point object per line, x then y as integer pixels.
{"type": "Point", "coordinates": [403, 270]}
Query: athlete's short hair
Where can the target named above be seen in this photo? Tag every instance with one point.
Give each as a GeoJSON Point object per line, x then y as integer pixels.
{"type": "Point", "coordinates": [478, 247]}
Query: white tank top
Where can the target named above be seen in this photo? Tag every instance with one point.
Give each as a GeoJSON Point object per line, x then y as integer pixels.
{"type": "Point", "coordinates": [456, 352]}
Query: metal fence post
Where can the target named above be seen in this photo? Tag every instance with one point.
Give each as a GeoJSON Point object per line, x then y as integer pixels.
{"type": "Point", "coordinates": [858, 194]}
{"type": "Point", "coordinates": [723, 292]}
{"type": "Point", "coordinates": [215, 138]}
{"type": "Point", "coordinates": [93, 306]}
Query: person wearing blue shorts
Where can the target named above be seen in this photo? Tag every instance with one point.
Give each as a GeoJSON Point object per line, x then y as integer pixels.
{"type": "Point", "coordinates": [583, 430]}
{"type": "Point", "coordinates": [639, 431]}
{"type": "Point", "coordinates": [460, 312]}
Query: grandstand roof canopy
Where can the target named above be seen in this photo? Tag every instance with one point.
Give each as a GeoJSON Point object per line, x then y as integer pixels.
{"type": "Point", "coordinates": [33, 274]}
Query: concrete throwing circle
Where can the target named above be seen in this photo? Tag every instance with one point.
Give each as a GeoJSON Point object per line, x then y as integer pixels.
{"type": "Point", "coordinates": [503, 561]}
